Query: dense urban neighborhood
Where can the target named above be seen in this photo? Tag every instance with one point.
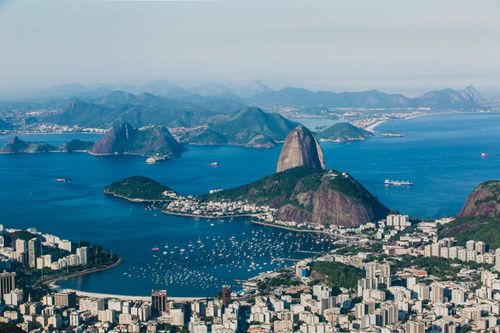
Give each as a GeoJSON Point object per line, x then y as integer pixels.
{"type": "Point", "coordinates": [395, 275]}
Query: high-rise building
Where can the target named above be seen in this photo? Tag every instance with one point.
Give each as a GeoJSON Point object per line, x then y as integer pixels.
{"type": "Point", "coordinates": [21, 246]}
{"type": "Point", "coordinates": [21, 251]}
{"type": "Point", "coordinates": [398, 221]}
{"type": "Point", "coordinates": [226, 295]}
{"type": "Point", "coordinates": [437, 293]}
{"type": "Point", "coordinates": [65, 299]}
{"type": "Point", "coordinates": [481, 247]}
{"type": "Point", "coordinates": [159, 303]}
{"type": "Point", "coordinates": [7, 282]}
{"type": "Point", "coordinates": [415, 327]}
{"type": "Point", "coordinates": [81, 253]}
{"type": "Point", "coordinates": [470, 245]}
{"type": "Point", "coordinates": [34, 251]}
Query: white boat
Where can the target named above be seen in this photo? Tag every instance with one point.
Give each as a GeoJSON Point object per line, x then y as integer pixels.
{"type": "Point", "coordinates": [391, 182]}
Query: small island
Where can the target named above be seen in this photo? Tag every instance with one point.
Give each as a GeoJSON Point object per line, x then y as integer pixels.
{"type": "Point", "coordinates": [343, 132]}
{"type": "Point", "coordinates": [140, 189]}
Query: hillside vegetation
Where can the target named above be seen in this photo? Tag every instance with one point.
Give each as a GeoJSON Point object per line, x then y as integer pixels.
{"type": "Point", "coordinates": [137, 188]}
{"type": "Point", "coordinates": [306, 195]}
{"type": "Point", "coordinates": [337, 275]}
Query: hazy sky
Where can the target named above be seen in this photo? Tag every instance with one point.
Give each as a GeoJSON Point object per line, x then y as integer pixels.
{"type": "Point", "coordinates": [392, 45]}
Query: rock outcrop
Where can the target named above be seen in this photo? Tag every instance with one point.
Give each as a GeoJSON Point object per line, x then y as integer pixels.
{"type": "Point", "coordinates": [301, 149]}
{"type": "Point", "coordinates": [305, 195]}
{"type": "Point", "coordinates": [484, 201]}
{"type": "Point", "coordinates": [479, 218]}
{"type": "Point", "coordinates": [150, 141]}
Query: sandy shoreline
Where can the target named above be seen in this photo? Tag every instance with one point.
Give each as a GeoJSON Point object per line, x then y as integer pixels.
{"type": "Point", "coordinates": [372, 127]}
{"type": "Point", "coordinates": [166, 212]}
{"type": "Point", "coordinates": [52, 284]}
{"type": "Point", "coordinates": [130, 297]}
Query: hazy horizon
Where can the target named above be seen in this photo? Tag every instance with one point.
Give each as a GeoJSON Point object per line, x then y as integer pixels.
{"type": "Point", "coordinates": [395, 47]}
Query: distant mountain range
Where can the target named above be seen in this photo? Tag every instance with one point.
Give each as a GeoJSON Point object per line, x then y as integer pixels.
{"type": "Point", "coordinates": [249, 127]}
{"type": "Point", "coordinates": [258, 94]}
{"type": "Point", "coordinates": [218, 114]}
{"type": "Point", "coordinates": [215, 121]}
{"type": "Point", "coordinates": [187, 109]}
{"type": "Point", "coordinates": [302, 98]}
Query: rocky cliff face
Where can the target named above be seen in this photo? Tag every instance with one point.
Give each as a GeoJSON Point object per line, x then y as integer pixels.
{"type": "Point", "coordinates": [338, 199]}
{"type": "Point", "coordinates": [484, 201]}
{"type": "Point", "coordinates": [300, 149]}
{"type": "Point", "coordinates": [306, 195]}
{"type": "Point", "coordinates": [125, 139]}
{"type": "Point", "coordinates": [479, 218]}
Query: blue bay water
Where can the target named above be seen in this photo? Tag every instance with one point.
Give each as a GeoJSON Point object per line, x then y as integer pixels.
{"type": "Point", "coordinates": [441, 154]}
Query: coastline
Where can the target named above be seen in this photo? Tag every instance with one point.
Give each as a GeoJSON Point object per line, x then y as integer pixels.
{"type": "Point", "coordinates": [372, 127]}
{"type": "Point", "coordinates": [131, 297]}
{"type": "Point", "coordinates": [134, 200]}
{"type": "Point", "coordinates": [205, 216]}
{"type": "Point", "coordinates": [51, 282]}
{"type": "Point", "coordinates": [275, 225]}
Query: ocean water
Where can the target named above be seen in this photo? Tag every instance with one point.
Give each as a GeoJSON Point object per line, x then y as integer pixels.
{"type": "Point", "coordinates": [440, 154]}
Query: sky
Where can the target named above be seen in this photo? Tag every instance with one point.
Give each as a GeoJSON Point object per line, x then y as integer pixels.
{"type": "Point", "coordinates": [406, 46]}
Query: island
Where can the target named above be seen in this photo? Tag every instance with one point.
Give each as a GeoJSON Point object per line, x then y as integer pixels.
{"type": "Point", "coordinates": [140, 189]}
{"type": "Point", "coordinates": [343, 132]}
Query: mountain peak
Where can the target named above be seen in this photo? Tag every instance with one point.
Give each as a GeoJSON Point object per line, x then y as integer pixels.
{"type": "Point", "coordinates": [123, 138]}
{"type": "Point", "coordinates": [474, 95]}
{"type": "Point", "coordinates": [301, 149]}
